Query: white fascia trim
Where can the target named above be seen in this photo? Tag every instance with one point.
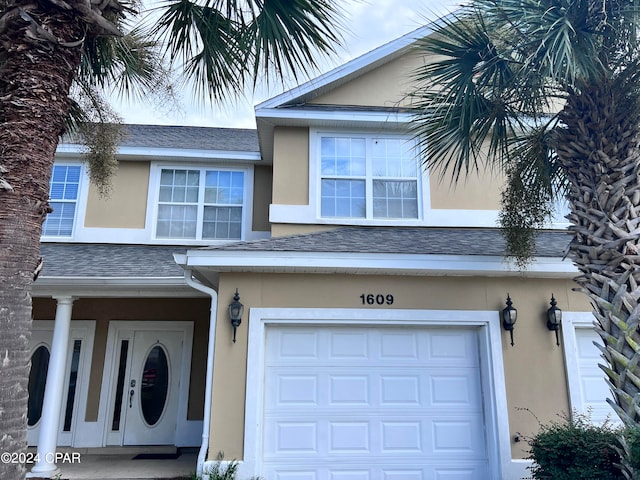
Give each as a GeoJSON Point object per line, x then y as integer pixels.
{"type": "Point", "coordinates": [116, 281]}
{"type": "Point", "coordinates": [347, 69]}
{"type": "Point", "coordinates": [350, 116]}
{"type": "Point", "coordinates": [173, 153]}
{"type": "Point", "coordinates": [376, 263]}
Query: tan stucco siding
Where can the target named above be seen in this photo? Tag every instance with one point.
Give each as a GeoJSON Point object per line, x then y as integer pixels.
{"type": "Point", "coordinates": [103, 311]}
{"type": "Point", "coordinates": [126, 206]}
{"type": "Point", "coordinates": [385, 86]}
{"type": "Point", "coordinates": [291, 166]}
{"type": "Point", "coordinates": [534, 367]}
{"type": "Point", "coordinates": [476, 191]}
{"type": "Point", "coordinates": [284, 229]}
{"type": "Point", "coordinates": [262, 191]}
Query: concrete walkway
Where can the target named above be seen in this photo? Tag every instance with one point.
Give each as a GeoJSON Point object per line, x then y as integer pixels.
{"type": "Point", "coordinates": [113, 465]}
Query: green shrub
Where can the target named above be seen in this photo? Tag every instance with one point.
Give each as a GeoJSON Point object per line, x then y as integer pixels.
{"type": "Point", "coordinates": [574, 448]}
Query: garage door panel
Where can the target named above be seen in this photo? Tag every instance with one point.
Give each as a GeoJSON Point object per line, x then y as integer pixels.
{"type": "Point", "coordinates": [593, 388]}
{"type": "Point", "coordinates": [440, 347]}
{"type": "Point", "coordinates": [348, 345]}
{"type": "Point", "coordinates": [373, 403]}
{"type": "Point", "coordinates": [458, 388]}
{"type": "Point", "coordinates": [427, 434]}
{"type": "Point", "coordinates": [366, 472]}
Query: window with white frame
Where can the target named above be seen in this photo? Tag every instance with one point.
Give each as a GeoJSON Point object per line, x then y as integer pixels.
{"type": "Point", "coordinates": [368, 177]}
{"type": "Point", "coordinates": [63, 199]}
{"type": "Point", "coordinates": [200, 204]}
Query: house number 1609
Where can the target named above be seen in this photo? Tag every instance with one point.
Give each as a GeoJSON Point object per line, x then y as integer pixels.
{"type": "Point", "coordinates": [376, 299]}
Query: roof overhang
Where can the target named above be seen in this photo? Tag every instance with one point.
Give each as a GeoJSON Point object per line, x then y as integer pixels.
{"type": "Point", "coordinates": [123, 287]}
{"type": "Point", "coordinates": [72, 150]}
{"type": "Point", "coordinates": [348, 263]}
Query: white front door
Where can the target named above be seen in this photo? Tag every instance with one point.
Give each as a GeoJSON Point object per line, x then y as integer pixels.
{"type": "Point", "coordinates": [146, 387]}
{"type": "Point", "coordinates": [152, 398]}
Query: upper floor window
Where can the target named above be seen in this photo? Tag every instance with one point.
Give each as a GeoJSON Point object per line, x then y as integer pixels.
{"type": "Point", "coordinates": [368, 177]}
{"type": "Point", "coordinates": [63, 198]}
{"type": "Point", "coordinates": [200, 204]}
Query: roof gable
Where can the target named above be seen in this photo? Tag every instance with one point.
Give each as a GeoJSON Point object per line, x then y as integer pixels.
{"type": "Point", "coordinates": [346, 72]}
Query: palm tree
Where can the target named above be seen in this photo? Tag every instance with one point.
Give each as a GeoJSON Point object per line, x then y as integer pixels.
{"type": "Point", "coordinates": [549, 89]}
{"type": "Point", "coordinates": [45, 47]}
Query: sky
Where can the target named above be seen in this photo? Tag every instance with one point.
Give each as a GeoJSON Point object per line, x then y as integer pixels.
{"type": "Point", "coordinates": [369, 24]}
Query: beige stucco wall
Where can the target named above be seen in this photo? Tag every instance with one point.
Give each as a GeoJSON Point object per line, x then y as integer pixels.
{"type": "Point", "coordinates": [126, 205]}
{"type": "Point", "coordinates": [291, 166]}
{"type": "Point", "coordinates": [103, 311]}
{"type": "Point", "coordinates": [262, 191]}
{"type": "Point", "coordinates": [534, 367]}
{"type": "Point", "coordinates": [284, 229]}
{"type": "Point", "coordinates": [385, 86]}
{"type": "Point", "coordinates": [479, 190]}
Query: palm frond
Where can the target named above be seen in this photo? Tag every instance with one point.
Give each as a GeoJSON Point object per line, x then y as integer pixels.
{"type": "Point", "coordinates": [226, 46]}
{"type": "Point", "coordinates": [284, 35]}
{"type": "Point", "coordinates": [205, 41]}
{"type": "Point", "coordinates": [471, 106]}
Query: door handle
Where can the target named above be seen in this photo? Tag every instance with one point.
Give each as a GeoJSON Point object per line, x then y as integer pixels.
{"type": "Point", "coordinates": [131, 392]}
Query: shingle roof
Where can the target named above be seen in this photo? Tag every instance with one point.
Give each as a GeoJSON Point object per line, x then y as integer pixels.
{"type": "Point", "coordinates": [150, 261]}
{"type": "Point", "coordinates": [425, 241]}
{"type": "Point", "coordinates": [91, 260]}
{"type": "Point", "coordinates": [190, 138]}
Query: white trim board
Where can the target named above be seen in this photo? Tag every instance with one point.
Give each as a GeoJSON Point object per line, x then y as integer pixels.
{"type": "Point", "coordinates": [372, 263]}
{"type": "Point", "coordinates": [492, 370]}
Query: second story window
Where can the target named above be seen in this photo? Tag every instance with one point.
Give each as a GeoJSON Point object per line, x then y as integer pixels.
{"type": "Point", "coordinates": [368, 177]}
{"type": "Point", "coordinates": [200, 204]}
{"type": "Point", "coordinates": [63, 198]}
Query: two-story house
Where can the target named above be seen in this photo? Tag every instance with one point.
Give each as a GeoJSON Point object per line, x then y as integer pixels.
{"type": "Point", "coordinates": [369, 344]}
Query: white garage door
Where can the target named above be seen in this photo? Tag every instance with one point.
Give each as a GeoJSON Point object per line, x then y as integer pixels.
{"type": "Point", "coordinates": [373, 404]}
{"type": "Point", "coordinates": [593, 389]}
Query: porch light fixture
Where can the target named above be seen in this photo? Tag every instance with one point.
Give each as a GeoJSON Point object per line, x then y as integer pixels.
{"type": "Point", "coordinates": [554, 318]}
{"type": "Point", "coordinates": [236, 309]}
{"type": "Point", "coordinates": [509, 317]}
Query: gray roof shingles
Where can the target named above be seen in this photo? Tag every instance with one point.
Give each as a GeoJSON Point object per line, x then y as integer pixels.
{"type": "Point", "coordinates": [429, 241]}
{"type": "Point", "coordinates": [148, 261]}
{"type": "Point", "coordinates": [91, 260]}
{"type": "Point", "coordinates": [200, 138]}
{"type": "Point", "coordinates": [189, 138]}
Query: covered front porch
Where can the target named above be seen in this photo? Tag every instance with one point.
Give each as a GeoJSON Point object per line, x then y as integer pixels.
{"type": "Point", "coordinates": [119, 353]}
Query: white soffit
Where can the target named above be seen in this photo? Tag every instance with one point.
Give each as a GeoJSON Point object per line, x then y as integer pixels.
{"type": "Point", "coordinates": [371, 264]}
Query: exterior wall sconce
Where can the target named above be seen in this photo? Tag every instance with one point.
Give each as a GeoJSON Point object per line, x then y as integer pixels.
{"type": "Point", "coordinates": [509, 317]}
{"type": "Point", "coordinates": [554, 318]}
{"type": "Point", "coordinates": [236, 309]}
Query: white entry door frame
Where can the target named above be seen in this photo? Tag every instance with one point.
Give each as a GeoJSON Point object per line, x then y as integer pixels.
{"type": "Point", "coordinates": [173, 340]}
{"type": "Point", "coordinates": [82, 331]}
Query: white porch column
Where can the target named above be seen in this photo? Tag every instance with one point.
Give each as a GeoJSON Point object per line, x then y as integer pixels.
{"type": "Point", "coordinates": [54, 391]}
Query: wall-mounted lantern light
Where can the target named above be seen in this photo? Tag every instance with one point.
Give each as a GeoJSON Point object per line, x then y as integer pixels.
{"type": "Point", "coordinates": [554, 318]}
{"type": "Point", "coordinates": [236, 309]}
{"type": "Point", "coordinates": [509, 317]}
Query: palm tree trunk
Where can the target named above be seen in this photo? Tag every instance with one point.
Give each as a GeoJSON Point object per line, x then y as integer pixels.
{"type": "Point", "coordinates": [35, 78]}
{"type": "Point", "coordinates": [599, 151]}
